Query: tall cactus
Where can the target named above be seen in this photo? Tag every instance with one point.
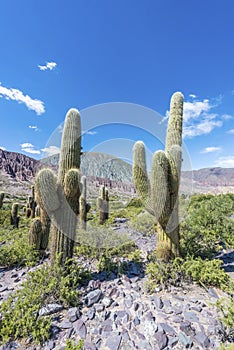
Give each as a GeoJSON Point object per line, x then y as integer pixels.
{"type": "Point", "coordinates": [14, 215]}
{"type": "Point", "coordinates": [103, 204]}
{"type": "Point", "coordinates": [1, 199]}
{"type": "Point", "coordinates": [59, 196]}
{"type": "Point", "coordinates": [160, 194]}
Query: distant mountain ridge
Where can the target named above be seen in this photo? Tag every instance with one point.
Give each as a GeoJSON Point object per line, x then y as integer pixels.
{"type": "Point", "coordinates": [100, 165]}
{"type": "Point", "coordinates": [17, 171]}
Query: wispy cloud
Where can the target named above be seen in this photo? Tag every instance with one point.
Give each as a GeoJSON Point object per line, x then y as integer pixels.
{"type": "Point", "coordinates": [227, 117]}
{"type": "Point", "coordinates": [192, 96]}
{"type": "Point", "coordinates": [48, 65]}
{"type": "Point", "coordinates": [17, 95]}
{"type": "Point", "coordinates": [90, 133]}
{"type": "Point", "coordinates": [231, 131]}
{"type": "Point", "coordinates": [51, 150]}
{"type": "Point", "coordinates": [60, 128]}
{"type": "Point", "coordinates": [34, 127]}
{"type": "Point", "coordinates": [199, 119]}
{"type": "Point", "coordinates": [29, 148]}
{"type": "Point", "coordinates": [2, 148]}
{"type": "Point", "coordinates": [225, 162]}
{"type": "Point", "coordinates": [211, 149]}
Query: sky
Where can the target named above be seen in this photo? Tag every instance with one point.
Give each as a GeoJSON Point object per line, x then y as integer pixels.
{"type": "Point", "coordinates": [118, 63]}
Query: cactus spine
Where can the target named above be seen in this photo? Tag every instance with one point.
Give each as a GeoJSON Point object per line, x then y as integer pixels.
{"type": "Point", "coordinates": [160, 195]}
{"type": "Point", "coordinates": [103, 204]}
{"type": "Point", "coordinates": [59, 196]}
{"type": "Point", "coordinates": [1, 199]}
{"type": "Point", "coordinates": [14, 215]}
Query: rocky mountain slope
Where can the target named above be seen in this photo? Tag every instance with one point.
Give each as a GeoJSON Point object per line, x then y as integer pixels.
{"type": "Point", "coordinates": [17, 173]}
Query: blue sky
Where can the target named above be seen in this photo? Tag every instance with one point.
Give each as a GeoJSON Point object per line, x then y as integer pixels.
{"type": "Point", "coordinates": [56, 55]}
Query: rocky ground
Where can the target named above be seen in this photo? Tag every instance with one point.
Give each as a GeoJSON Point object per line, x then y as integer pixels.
{"type": "Point", "coordinates": [118, 312]}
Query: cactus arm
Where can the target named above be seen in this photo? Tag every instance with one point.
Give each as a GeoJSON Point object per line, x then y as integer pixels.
{"type": "Point", "coordinates": [71, 144]}
{"type": "Point", "coordinates": [140, 176]}
{"type": "Point", "coordinates": [174, 129]}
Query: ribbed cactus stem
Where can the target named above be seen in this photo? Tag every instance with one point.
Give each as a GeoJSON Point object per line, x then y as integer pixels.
{"type": "Point", "coordinates": [45, 223]}
{"type": "Point", "coordinates": [35, 233]}
{"type": "Point", "coordinates": [174, 128]}
{"type": "Point", "coordinates": [160, 197]}
{"type": "Point", "coordinates": [103, 204]}
{"type": "Point", "coordinates": [14, 215]}
{"type": "Point", "coordinates": [69, 159]}
{"type": "Point", "coordinates": [160, 187]}
{"type": "Point", "coordinates": [140, 176]}
{"type": "Point", "coordinates": [71, 144]}
{"type": "Point", "coordinates": [83, 203]}
{"type": "Point", "coordinates": [1, 199]}
{"type": "Point", "coordinates": [46, 191]}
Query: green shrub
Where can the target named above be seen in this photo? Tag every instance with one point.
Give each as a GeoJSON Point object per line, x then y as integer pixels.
{"type": "Point", "coordinates": [144, 223]}
{"type": "Point", "coordinates": [71, 345]}
{"type": "Point", "coordinates": [208, 226]}
{"type": "Point", "coordinates": [204, 272]}
{"type": "Point", "coordinates": [15, 248]}
{"type": "Point", "coordinates": [226, 307]}
{"type": "Point", "coordinates": [20, 312]}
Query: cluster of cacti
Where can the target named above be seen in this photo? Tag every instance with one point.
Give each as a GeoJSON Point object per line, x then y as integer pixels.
{"type": "Point", "coordinates": [59, 196]}
{"type": "Point", "coordinates": [15, 218]}
{"type": "Point", "coordinates": [160, 194]}
{"type": "Point", "coordinates": [1, 199]}
{"type": "Point", "coordinates": [31, 205]}
{"type": "Point", "coordinates": [103, 204]}
{"type": "Point", "coordinates": [39, 230]}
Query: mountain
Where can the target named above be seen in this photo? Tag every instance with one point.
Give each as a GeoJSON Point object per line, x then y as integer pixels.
{"type": "Point", "coordinates": [99, 165]}
{"type": "Point", "coordinates": [17, 173]}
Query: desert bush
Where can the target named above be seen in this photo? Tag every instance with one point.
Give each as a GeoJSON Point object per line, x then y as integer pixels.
{"type": "Point", "coordinates": [144, 223]}
{"type": "Point", "coordinates": [204, 272]}
{"type": "Point", "coordinates": [15, 248]}
{"type": "Point", "coordinates": [20, 312]}
{"type": "Point", "coordinates": [208, 226]}
{"type": "Point", "coordinates": [71, 345]}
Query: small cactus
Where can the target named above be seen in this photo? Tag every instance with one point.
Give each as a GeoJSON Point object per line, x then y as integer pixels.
{"type": "Point", "coordinates": [1, 199]}
{"type": "Point", "coordinates": [35, 233]}
{"type": "Point", "coordinates": [14, 215]}
{"type": "Point", "coordinates": [103, 204]}
{"type": "Point", "coordinates": [31, 203]}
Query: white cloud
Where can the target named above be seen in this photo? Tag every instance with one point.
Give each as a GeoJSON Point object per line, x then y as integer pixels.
{"type": "Point", "coordinates": [49, 65]}
{"type": "Point", "coordinates": [17, 95]}
{"type": "Point", "coordinates": [211, 149]}
{"type": "Point", "coordinates": [227, 117]}
{"type": "Point", "coordinates": [34, 127]}
{"type": "Point", "coordinates": [202, 128]}
{"type": "Point", "coordinates": [192, 96]}
{"type": "Point", "coordinates": [193, 110]}
{"type": "Point", "coordinates": [90, 133]}
{"type": "Point", "coordinates": [231, 131]}
{"type": "Point", "coordinates": [2, 148]}
{"type": "Point", "coordinates": [198, 118]}
{"type": "Point", "coordinates": [225, 162]}
{"type": "Point", "coordinates": [29, 148]}
{"type": "Point", "coordinates": [51, 150]}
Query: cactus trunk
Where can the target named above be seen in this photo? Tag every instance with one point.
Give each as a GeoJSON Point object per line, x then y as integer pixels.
{"type": "Point", "coordinates": [160, 195]}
